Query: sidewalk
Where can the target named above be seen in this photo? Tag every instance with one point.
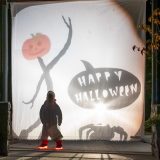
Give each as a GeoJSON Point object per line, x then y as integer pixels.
{"type": "Point", "coordinates": [82, 150]}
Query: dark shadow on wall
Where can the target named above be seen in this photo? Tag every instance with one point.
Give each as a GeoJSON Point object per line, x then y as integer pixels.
{"type": "Point", "coordinates": [99, 132]}
{"type": "Point", "coordinates": [25, 132]}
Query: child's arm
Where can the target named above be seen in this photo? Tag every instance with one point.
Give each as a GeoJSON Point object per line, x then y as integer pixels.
{"type": "Point", "coordinates": [41, 114]}
{"type": "Point", "coordinates": [59, 114]}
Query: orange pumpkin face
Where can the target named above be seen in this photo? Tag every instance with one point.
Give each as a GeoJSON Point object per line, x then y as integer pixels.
{"type": "Point", "coordinates": [37, 46]}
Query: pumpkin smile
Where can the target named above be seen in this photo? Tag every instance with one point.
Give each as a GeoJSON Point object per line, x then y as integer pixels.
{"type": "Point", "coordinates": [38, 52]}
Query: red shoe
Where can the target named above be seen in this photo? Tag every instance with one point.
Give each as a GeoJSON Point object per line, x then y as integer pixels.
{"type": "Point", "coordinates": [44, 145]}
{"type": "Point", "coordinates": [59, 145]}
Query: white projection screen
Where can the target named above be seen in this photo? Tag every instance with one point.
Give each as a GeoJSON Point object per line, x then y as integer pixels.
{"type": "Point", "coordinates": [90, 53]}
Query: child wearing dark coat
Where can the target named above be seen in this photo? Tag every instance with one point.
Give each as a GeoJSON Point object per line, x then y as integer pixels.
{"type": "Point", "coordinates": [50, 116]}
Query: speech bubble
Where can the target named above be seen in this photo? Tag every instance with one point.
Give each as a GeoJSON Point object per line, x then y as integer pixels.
{"type": "Point", "coordinates": [113, 87]}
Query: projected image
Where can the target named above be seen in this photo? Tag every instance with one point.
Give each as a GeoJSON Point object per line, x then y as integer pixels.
{"type": "Point", "coordinates": [85, 51]}
{"type": "Point", "coordinates": [104, 85]}
{"type": "Point", "coordinates": [106, 132]}
{"type": "Point", "coordinates": [38, 46]}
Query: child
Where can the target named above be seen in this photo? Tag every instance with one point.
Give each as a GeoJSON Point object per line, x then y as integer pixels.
{"type": "Point", "coordinates": [50, 115]}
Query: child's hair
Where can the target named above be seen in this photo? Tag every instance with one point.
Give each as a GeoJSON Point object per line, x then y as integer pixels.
{"type": "Point", "coordinates": [50, 96]}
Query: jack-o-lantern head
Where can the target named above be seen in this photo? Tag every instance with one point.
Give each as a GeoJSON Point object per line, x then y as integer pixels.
{"type": "Point", "coordinates": [37, 46]}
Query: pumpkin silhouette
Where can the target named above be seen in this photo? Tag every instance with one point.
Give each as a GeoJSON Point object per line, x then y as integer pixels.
{"type": "Point", "coordinates": [35, 47]}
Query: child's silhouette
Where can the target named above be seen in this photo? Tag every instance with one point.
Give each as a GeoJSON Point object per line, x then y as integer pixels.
{"type": "Point", "coordinates": [50, 115]}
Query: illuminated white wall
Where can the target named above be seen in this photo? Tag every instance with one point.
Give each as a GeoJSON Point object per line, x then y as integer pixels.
{"type": "Point", "coordinates": [96, 71]}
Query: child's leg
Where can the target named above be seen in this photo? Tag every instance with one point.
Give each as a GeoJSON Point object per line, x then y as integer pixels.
{"type": "Point", "coordinates": [56, 135]}
{"type": "Point", "coordinates": [44, 138]}
{"type": "Point", "coordinates": [58, 139]}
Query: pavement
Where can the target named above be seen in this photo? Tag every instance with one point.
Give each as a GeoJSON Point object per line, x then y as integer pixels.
{"type": "Point", "coordinates": [82, 150]}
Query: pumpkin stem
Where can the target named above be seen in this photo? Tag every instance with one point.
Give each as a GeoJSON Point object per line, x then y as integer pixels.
{"type": "Point", "coordinates": [32, 35]}
{"type": "Point", "coordinates": [38, 34]}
